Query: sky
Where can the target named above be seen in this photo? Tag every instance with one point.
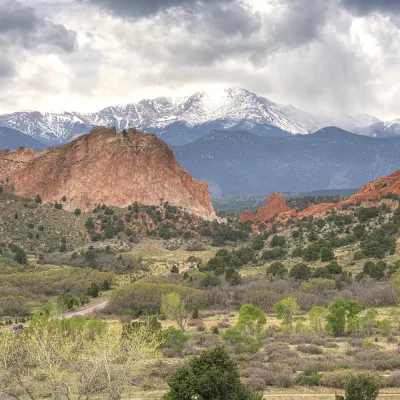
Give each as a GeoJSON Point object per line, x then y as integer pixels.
{"type": "Point", "coordinates": [331, 56]}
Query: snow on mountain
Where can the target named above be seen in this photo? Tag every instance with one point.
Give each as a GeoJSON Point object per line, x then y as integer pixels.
{"type": "Point", "coordinates": [231, 107]}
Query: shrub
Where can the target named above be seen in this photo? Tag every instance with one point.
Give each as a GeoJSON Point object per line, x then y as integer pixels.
{"type": "Point", "coordinates": [277, 269]}
{"type": "Point", "coordinates": [174, 339]}
{"type": "Point", "coordinates": [211, 375]}
{"type": "Point", "coordinates": [58, 206]}
{"type": "Point", "coordinates": [362, 387]}
{"type": "Point", "coordinates": [327, 254]}
{"type": "Point", "coordinates": [309, 380]}
{"type": "Point", "coordinates": [310, 349]}
{"type": "Point", "coordinates": [300, 272]}
{"type": "Point", "coordinates": [38, 199]}
{"type": "Point", "coordinates": [77, 211]}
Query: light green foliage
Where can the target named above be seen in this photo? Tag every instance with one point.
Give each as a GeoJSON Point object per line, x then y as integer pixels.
{"type": "Point", "coordinates": [73, 359]}
{"type": "Point", "coordinates": [368, 323]}
{"type": "Point", "coordinates": [174, 339]}
{"type": "Point", "coordinates": [342, 312]}
{"type": "Point", "coordinates": [251, 319]}
{"type": "Point", "coordinates": [211, 375]}
{"type": "Point", "coordinates": [317, 317]}
{"type": "Point", "coordinates": [385, 326]}
{"type": "Point", "coordinates": [175, 308]}
{"type": "Point", "coordinates": [285, 310]}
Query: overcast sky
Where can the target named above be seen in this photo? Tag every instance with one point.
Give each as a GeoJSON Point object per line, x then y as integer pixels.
{"type": "Point", "coordinates": [330, 55]}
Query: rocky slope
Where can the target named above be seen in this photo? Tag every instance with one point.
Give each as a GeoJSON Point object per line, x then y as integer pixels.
{"type": "Point", "coordinates": [104, 167]}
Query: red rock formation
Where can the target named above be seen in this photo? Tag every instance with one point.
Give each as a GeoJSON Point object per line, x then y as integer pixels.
{"type": "Point", "coordinates": [375, 190]}
{"type": "Point", "coordinates": [246, 216]}
{"type": "Point", "coordinates": [276, 207]}
{"type": "Point", "coordinates": [104, 167]}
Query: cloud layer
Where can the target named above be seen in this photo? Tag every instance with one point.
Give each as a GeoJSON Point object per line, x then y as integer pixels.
{"type": "Point", "coordinates": [335, 56]}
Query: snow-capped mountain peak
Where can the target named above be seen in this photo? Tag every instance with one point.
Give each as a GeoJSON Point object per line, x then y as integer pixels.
{"type": "Point", "coordinates": [230, 107]}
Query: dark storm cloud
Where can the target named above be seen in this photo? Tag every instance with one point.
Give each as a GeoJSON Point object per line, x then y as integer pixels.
{"type": "Point", "coordinates": [21, 29]}
{"type": "Point", "coordinates": [145, 8]}
{"type": "Point", "coordinates": [367, 6]}
{"type": "Point", "coordinates": [20, 25]}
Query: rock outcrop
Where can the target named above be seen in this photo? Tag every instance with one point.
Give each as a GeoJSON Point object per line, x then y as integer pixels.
{"type": "Point", "coordinates": [368, 196]}
{"type": "Point", "coordinates": [276, 208]}
{"type": "Point", "coordinates": [104, 167]}
{"type": "Point", "coordinates": [372, 191]}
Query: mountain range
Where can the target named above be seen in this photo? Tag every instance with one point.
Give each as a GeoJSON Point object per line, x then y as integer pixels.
{"type": "Point", "coordinates": [182, 120]}
{"type": "Point", "coordinates": [235, 163]}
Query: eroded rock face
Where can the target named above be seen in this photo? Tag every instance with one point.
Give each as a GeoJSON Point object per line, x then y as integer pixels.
{"type": "Point", "coordinates": [276, 208]}
{"type": "Point", "coordinates": [104, 167]}
{"type": "Point", "coordinates": [375, 190]}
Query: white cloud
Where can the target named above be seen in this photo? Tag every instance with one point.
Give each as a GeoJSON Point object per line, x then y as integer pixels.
{"type": "Point", "coordinates": [315, 54]}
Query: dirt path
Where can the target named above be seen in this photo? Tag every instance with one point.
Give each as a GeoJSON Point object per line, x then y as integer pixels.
{"type": "Point", "coordinates": [90, 308]}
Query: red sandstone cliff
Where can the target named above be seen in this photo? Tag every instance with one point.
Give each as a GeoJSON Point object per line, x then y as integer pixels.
{"type": "Point", "coordinates": [104, 167]}
{"type": "Point", "coordinates": [375, 190]}
{"type": "Point", "coordinates": [276, 207]}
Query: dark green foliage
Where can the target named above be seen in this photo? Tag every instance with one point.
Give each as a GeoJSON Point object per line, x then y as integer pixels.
{"type": "Point", "coordinates": [313, 379]}
{"type": "Point", "coordinates": [363, 387]}
{"type": "Point", "coordinates": [77, 211]}
{"type": "Point", "coordinates": [277, 269]}
{"type": "Point", "coordinates": [174, 269]}
{"type": "Point", "coordinates": [364, 214]}
{"type": "Point", "coordinates": [210, 376]}
{"type": "Point", "coordinates": [275, 254]}
{"type": "Point", "coordinates": [38, 199]}
{"type": "Point", "coordinates": [64, 198]}
{"type": "Point", "coordinates": [58, 206]}
{"type": "Point", "coordinates": [257, 243]}
{"type": "Point", "coordinates": [375, 270]}
{"type": "Point", "coordinates": [20, 256]}
{"type": "Point", "coordinates": [334, 268]}
{"type": "Point", "coordinates": [327, 254]}
{"type": "Point", "coordinates": [93, 290]}
{"type": "Point", "coordinates": [278, 241]}
{"type": "Point", "coordinates": [195, 312]}
{"type": "Point", "coordinates": [312, 252]}
{"type": "Point", "coordinates": [300, 272]}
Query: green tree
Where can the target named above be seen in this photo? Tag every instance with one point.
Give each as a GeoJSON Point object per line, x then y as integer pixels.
{"type": "Point", "coordinates": [93, 290]}
{"type": "Point", "coordinates": [363, 387]}
{"type": "Point", "coordinates": [257, 243]}
{"type": "Point", "coordinates": [251, 319]}
{"type": "Point", "coordinates": [385, 326]}
{"type": "Point", "coordinates": [276, 269]}
{"type": "Point", "coordinates": [368, 323]}
{"type": "Point", "coordinates": [174, 339]}
{"type": "Point", "coordinates": [175, 308]}
{"type": "Point", "coordinates": [300, 272]}
{"type": "Point", "coordinates": [20, 256]}
{"type": "Point", "coordinates": [77, 211]}
{"type": "Point", "coordinates": [327, 254]}
{"type": "Point", "coordinates": [316, 315]}
{"type": "Point", "coordinates": [210, 376]}
{"type": "Point", "coordinates": [38, 199]}
{"type": "Point", "coordinates": [340, 313]}
{"type": "Point", "coordinates": [278, 241]}
{"type": "Point", "coordinates": [285, 310]}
